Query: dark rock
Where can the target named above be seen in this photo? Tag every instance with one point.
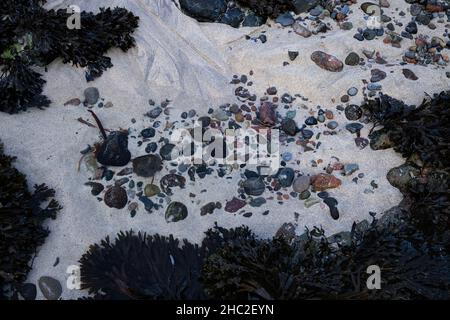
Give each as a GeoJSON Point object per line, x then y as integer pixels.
{"type": "Point", "coordinates": [311, 121]}
{"type": "Point", "coordinates": [293, 55]}
{"type": "Point", "coordinates": [352, 59]}
{"type": "Point", "coordinates": [353, 112]}
{"type": "Point", "coordinates": [167, 152]}
{"type": "Point", "coordinates": [114, 150]}
{"type": "Point", "coordinates": [97, 188]}
{"type": "Point", "coordinates": [332, 204]}
{"type": "Point", "coordinates": [148, 133]}
{"type": "Point", "coordinates": [285, 19]}
{"type": "Point", "coordinates": [170, 181]}
{"type": "Point", "coordinates": [377, 75]}
{"type": "Point", "coordinates": [209, 208]}
{"type": "Point", "coordinates": [253, 20]}
{"type": "Point", "coordinates": [116, 197]}
{"type": "Point", "coordinates": [409, 74]}
{"type": "Point", "coordinates": [51, 288]}
{"type": "Point", "coordinates": [267, 114]}
{"type": "Point", "coordinates": [301, 184]}
{"type": "Point", "coordinates": [285, 176]}
{"type": "Point", "coordinates": [204, 10]}
{"type": "Point", "coordinates": [401, 177]}
{"type": "Point", "coordinates": [354, 127]}
{"type": "Point", "coordinates": [233, 17]}
{"type": "Point", "coordinates": [254, 186]}
{"type": "Point", "coordinates": [289, 127]}
{"type": "Point", "coordinates": [176, 211]}
{"type": "Point", "coordinates": [147, 166]}
{"type": "Point", "coordinates": [28, 291]}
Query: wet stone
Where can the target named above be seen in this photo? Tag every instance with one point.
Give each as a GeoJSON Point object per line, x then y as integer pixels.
{"type": "Point", "coordinates": [285, 177]}
{"type": "Point", "coordinates": [353, 112]}
{"type": "Point", "coordinates": [254, 186]}
{"type": "Point", "coordinates": [147, 166]}
{"type": "Point", "coordinates": [311, 121]}
{"type": "Point", "coordinates": [354, 127]}
{"type": "Point", "coordinates": [352, 59]}
{"type": "Point", "coordinates": [301, 184]}
{"type": "Point", "coordinates": [114, 150]}
{"type": "Point", "coordinates": [234, 205]}
{"type": "Point", "coordinates": [148, 133]}
{"type": "Point", "coordinates": [327, 61]}
{"type": "Point", "coordinates": [116, 197]}
{"type": "Point", "coordinates": [257, 202]}
{"type": "Point", "coordinates": [28, 291]}
{"type": "Point", "coordinates": [176, 211]}
{"type": "Point", "coordinates": [50, 287]}
{"type": "Point", "coordinates": [91, 95]}
{"type": "Point", "coordinates": [166, 152]}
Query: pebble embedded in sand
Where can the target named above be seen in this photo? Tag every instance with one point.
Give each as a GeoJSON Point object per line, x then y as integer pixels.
{"type": "Point", "coordinates": [327, 61]}
{"type": "Point", "coordinates": [176, 211]}
{"type": "Point", "coordinates": [50, 287]}
{"type": "Point", "coordinates": [116, 197]}
{"type": "Point", "coordinates": [324, 181]}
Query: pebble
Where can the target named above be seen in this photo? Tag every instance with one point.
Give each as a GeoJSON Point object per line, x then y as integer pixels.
{"type": "Point", "coordinates": [310, 202]}
{"type": "Point", "coordinates": [354, 127]}
{"type": "Point", "coordinates": [287, 156]}
{"type": "Point", "coordinates": [285, 19]}
{"type": "Point", "coordinates": [151, 190]}
{"type": "Point", "coordinates": [374, 86]}
{"type": "Point", "coordinates": [301, 30]}
{"type": "Point", "coordinates": [254, 186]}
{"type": "Point", "coordinates": [155, 112]}
{"type": "Point", "coordinates": [73, 102]}
{"type": "Point", "coordinates": [332, 125]}
{"type": "Point", "coordinates": [146, 166]}
{"type": "Point", "coordinates": [377, 75]}
{"type": "Point", "coordinates": [28, 291]}
{"type": "Point", "coordinates": [91, 95]}
{"type": "Point", "coordinates": [327, 61]}
{"type": "Point", "coordinates": [176, 211]}
{"type": "Point", "coordinates": [166, 152]}
{"type": "Point", "coordinates": [353, 112]}
{"type": "Point", "coordinates": [323, 181]}
{"type": "Point", "coordinates": [50, 287]}
{"type": "Point", "coordinates": [305, 195]}
{"type": "Point", "coordinates": [352, 59]}
{"type": "Point", "coordinates": [332, 204]}
{"type": "Point", "coordinates": [409, 74]}
{"type": "Point", "coordinates": [96, 188]}
{"type": "Point", "coordinates": [301, 184]}
{"type": "Point", "coordinates": [350, 168]}
{"type": "Point", "coordinates": [352, 92]}
{"type": "Point", "coordinates": [267, 114]}
{"type": "Point", "coordinates": [293, 55]}
{"type": "Point", "coordinates": [311, 121]}
{"type": "Point", "coordinates": [234, 205]}
{"type": "Point", "coordinates": [209, 208]}
{"type": "Point", "coordinates": [285, 177]}
{"type": "Point", "coordinates": [148, 133]}
{"type": "Point", "coordinates": [289, 126]}
{"type": "Point", "coordinates": [114, 150]}
{"type": "Point", "coordinates": [116, 197]}
{"type": "Point", "coordinates": [257, 202]}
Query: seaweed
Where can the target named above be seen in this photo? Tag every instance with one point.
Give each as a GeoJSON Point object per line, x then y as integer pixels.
{"type": "Point", "coordinates": [142, 267]}
{"type": "Point", "coordinates": [22, 214]}
{"type": "Point", "coordinates": [33, 37]}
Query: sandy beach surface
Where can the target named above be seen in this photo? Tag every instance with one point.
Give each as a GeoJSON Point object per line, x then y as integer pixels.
{"type": "Point", "coordinates": [191, 64]}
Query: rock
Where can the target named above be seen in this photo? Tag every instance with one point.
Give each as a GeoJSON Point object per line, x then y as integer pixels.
{"type": "Point", "coordinates": [204, 10]}
{"type": "Point", "coordinates": [170, 181]}
{"type": "Point", "coordinates": [252, 20]}
{"type": "Point", "coordinates": [254, 186]}
{"type": "Point", "coordinates": [352, 91]}
{"type": "Point", "coordinates": [409, 74]}
{"type": "Point", "coordinates": [353, 112]}
{"type": "Point", "coordinates": [304, 5]}
{"type": "Point", "coordinates": [411, 27]}
{"type": "Point", "coordinates": [151, 190]}
{"type": "Point", "coordinates": [332, 204]}
{"type": "Point", "coordinates": [311, 121]}
{"type": "Point", "coordinates": [354, 127]}
{"type": "Point", "coordinates": [350, 168]}
{"type": "Point", "coordinates": [96, 188]}
{"type": "Point", "coordinates": [332, 125]}
{"type": "Point", "coordinates": [168, 152]}
{"type": "Point", "coordinates": [209, 208]}
{"type": "Point", "coordinates": [374, 86]}
{"type": "Point", "coordinates": [304, 195]}
{"type": "Point", "coordinates": [285, 177]}
{"type": "Point", "coordinates": [116, 197]}
{"type": "Point", "coordinates": [323, 181]}
{"type": "Point", "coordinates": [233, 17]}
{"type": "Point", "coordinates": [377, 75]}
{"type": "Point", "coordinates": [307, 134]}
{"type": "Point", "coordinates": [285, 19]}
{"type": "Point", "coordinates": [176, 211]}
{"type": "Point", "coordinates": [154, 113]}
{"type": "Point", "coordinates": [301, 30]}
{"type": "Point", "coordinates": [234, 205]}
{"type": "Point", "coordinates": [114, 150]}
{"type": "Point", "coordinates": [272, 91]}
{"type": "Point", "coordinates": [310, 202]}
{"type": "Point", "coordinates": [352, 59]}
{"type": "Point", "coordinates": [327, 61]}
{"type": "Point", "coordinates": [289, 127]}
{"type": "Point", "coordinates": [301, 184]}
{"type": "Point", "coordinates": [28, 291]}
{"type": "Point", "coordinates": [267, 114]}
{"type": "Point", "coordinates": [257, 202]}
{"type": "Point", "coordinates": [221, 115]}
{"type": "Point", "coordinates": [286, 156]}
{"type": "Point", "coordinates": [91, 95]}
{"type": "Point", "coordinates": [146, 166]}
{"type": "Point", "coordinates": [148, 133]}
{"type": "Point", "coordinates": [369, 34]}
{"type": "Point", "coordinates": [361, 142]}
{"type": "Point", "coordinates": [50, 287]}
{"type": "Point", "coordinates": [73, 102]}
{"type": "Point", "coordinates": [293, 55]}
{"type": "Point", "coordinates": [402, 176]}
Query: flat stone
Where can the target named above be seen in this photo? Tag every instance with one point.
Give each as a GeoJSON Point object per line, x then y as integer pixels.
{"type": "Point", "coordinates": [50, 287]}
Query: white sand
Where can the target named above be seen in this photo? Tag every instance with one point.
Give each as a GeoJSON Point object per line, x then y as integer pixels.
{"type": "Point", "coordinates": [191, 64]}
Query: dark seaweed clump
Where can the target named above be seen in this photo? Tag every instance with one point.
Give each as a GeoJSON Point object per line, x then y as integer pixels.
{"type": "Point", "coordinates": [422, 135]}
{"type": "Point", "coordinates": [269, 8]}
{"type": "Point", "coordinates": [317, 269]}
{"type": "Point", "coordinates": [33, 37]}
{"type": "Point", "coordinates": [21, 219]}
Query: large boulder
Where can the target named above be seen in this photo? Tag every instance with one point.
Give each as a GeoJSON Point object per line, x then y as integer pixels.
{"type": "Point", "coordinates": [204, 10]}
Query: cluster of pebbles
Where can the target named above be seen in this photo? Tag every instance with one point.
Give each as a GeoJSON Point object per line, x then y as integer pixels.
{"type": "Point", "coordinates": [147, 182]}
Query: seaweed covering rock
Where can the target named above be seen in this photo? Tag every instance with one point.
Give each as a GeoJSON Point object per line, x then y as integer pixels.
{"type": "Point", "coordinates": [21, 224]}
{"type": "Point", "coordinates": [34, 37]}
